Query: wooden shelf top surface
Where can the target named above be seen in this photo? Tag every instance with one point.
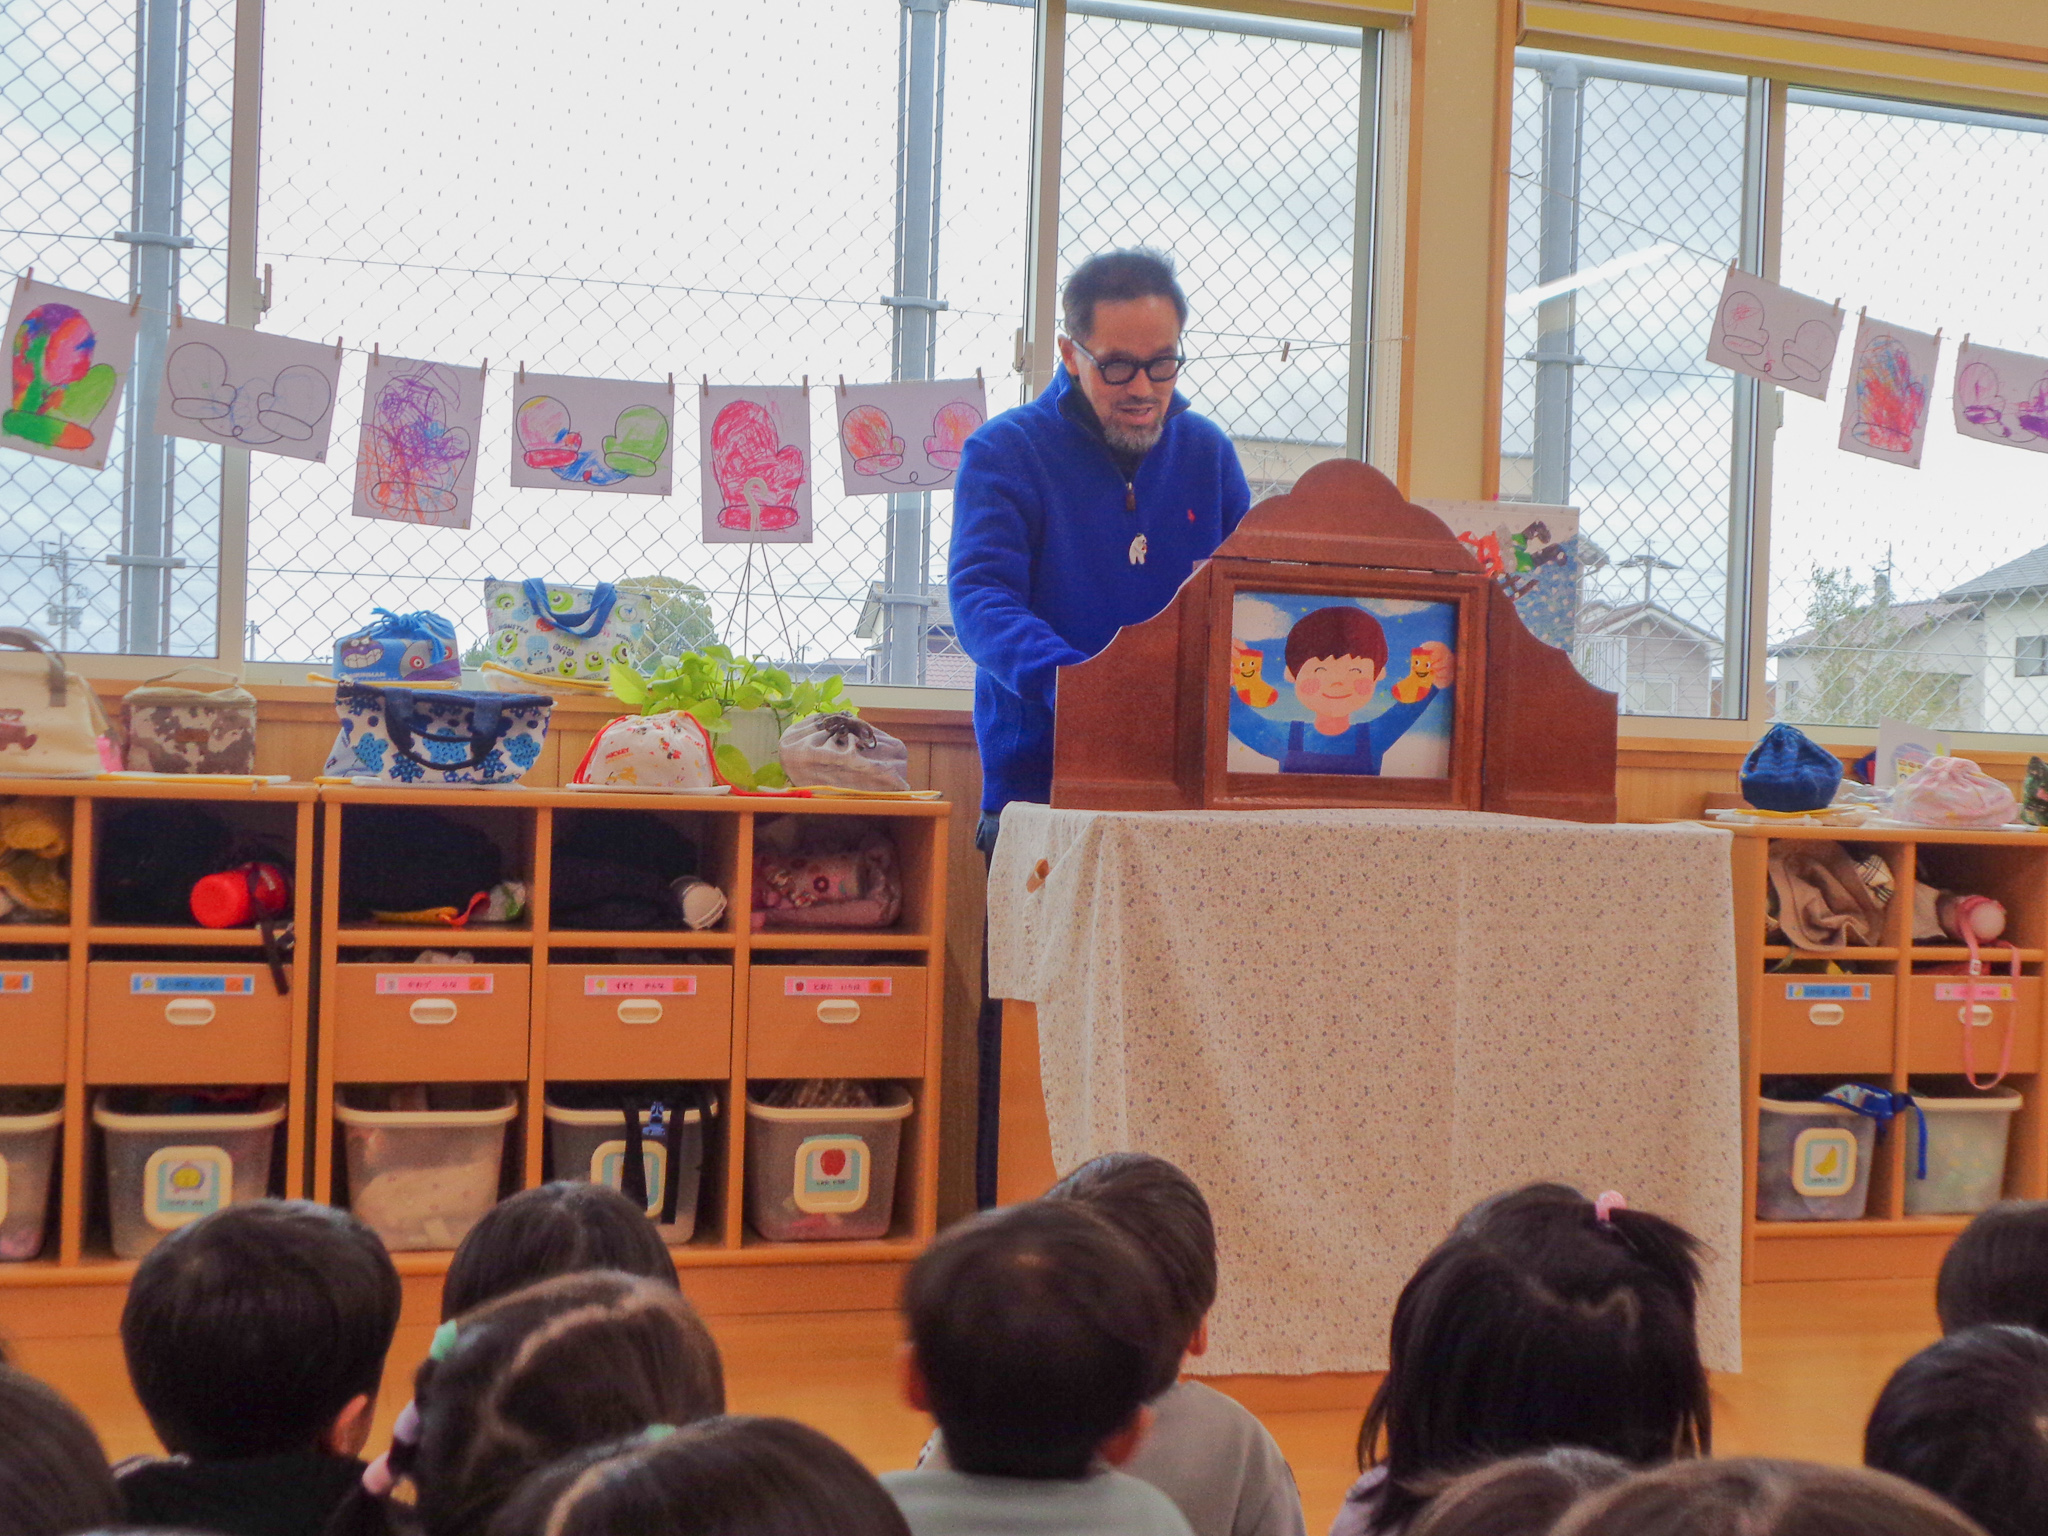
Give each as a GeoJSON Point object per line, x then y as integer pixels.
{"type": "Point", "coordinates": [567, 799]}
{"type": "Point", "coordinates": [1885, 834]}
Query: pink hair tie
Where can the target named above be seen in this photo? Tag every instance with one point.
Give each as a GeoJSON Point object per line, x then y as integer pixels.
{"type": "Point", "coordinates": [1610, 1201]}
{"type": "Point", "coordinates": [378, 1478]}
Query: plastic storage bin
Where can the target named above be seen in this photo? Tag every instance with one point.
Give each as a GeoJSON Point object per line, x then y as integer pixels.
{"type": "Point", "coordinates": [589, 1147]}
{"type": "Point", "coordinates": [1813, 1161]}
{"type": "Point", "coordinates": [823, 1174]}
{"type": "Point", "coordinates": [421, 1178]}
{"type": "Point", "coordinates": [169, 1164]}
{"type": "Point", "coordinates": [28, 1149]}
{"type": "Point", "coordinates": [1967, 1131]}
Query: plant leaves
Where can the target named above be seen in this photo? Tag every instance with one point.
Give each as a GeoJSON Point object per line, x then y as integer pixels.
{"type": "Point", "coordinates": [732, 762]}
{"type": "Point", "coordinates": [629, 685]}
{"type": "Point", "coordinates": [771, 776]}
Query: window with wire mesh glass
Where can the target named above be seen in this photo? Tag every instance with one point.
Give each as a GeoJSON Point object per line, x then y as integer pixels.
{"type": "Point", "coordinates": [126, 558]}
{"type": "Point", "coordinates": [1232, 143]}
{"type": "Point", "coordinates": [1913, 595]}
{"type": "Point", "coordinates": [1625, 200]}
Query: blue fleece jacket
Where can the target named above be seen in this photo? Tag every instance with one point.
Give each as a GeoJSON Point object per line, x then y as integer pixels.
{"type": "Point", "coordinates": [1045, 565]}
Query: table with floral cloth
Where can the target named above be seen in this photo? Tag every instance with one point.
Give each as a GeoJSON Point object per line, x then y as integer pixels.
{"type": "Point", "coordinates": [1348, 1025]}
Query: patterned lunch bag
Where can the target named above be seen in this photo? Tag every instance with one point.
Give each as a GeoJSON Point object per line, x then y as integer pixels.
{"type": "Point", "coordinates": [190, 730]}
{"type": "Point", "coordinates": [399, 736]}
{"type": "Point", "coordinates": [568, 632]}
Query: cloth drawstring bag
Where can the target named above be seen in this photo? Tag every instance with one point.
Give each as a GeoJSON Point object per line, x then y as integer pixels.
{"type": "Point", "coordinates": [1953, 792]}
{"type": "Point", "coordinates": [1790, 771]}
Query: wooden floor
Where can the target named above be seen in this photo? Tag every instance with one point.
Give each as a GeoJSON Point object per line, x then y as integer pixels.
{"type": "Point", "coordinates": [1816, 1354]}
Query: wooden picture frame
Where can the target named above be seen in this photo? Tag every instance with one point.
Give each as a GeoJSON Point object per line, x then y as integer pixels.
{"type": "Point", "coordinates": [1457, 789]}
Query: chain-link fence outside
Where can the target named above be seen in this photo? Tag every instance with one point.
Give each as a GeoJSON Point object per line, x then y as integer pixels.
{"type": "Point", "coordinates": [68, 184]}
{"type": "Point", "coordinates": [1625, 207]}
{"type": "Point", "coordinates": [1237, 153]}
{"type": "Point", "coordinates": [707, 190]}
{"type": "Point", "coordinates": [1917, 595]}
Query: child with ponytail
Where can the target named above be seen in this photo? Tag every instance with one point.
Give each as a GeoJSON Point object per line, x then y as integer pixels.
{"type": "Point", "coordinates": [1544, 1319]}
{"type": "Point", "coordinates": [521, 1381]}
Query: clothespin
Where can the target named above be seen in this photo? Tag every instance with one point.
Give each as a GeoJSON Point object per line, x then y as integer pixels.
{"type": "Point", "coordinates": [707, 386]}
{"type": "Point", "coordinates": [481, 369]}
{"type": "Point", "coordinates": [807, 385]}
{"type": "Point", "coordinates": [842, 386]}
{"type": "Point", "coordinates": [1285, 348]}
{"type": "Point", "coordinates": [135, 307]}
{"type": "Point", "coordinates": [521, 380]}
{"type": "Point", "coordinates": [28, 277]}
{"type": "Point", "coordinates": [977, 380]}
{"type": "Point", "coordinates": [671, 388]}
{"type": "Point", "coordinates": [1862, 314]}
{"type": "Point", "coordinates": [337, 349]}
{"type": "Point", "coordinates": [376, 352]}
{"type": "Point", "coordinates": [1937, 335]}
{"type": "Point", "coordinates": [177, 314]}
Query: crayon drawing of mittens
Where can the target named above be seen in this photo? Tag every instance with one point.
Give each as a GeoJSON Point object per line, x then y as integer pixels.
{"type": "Point", "coordinates": [1742, 325]}
{"type": "Point", "coordinates": [1809, 352]}
{"type": "Point", "coordinates": [416, 457]}
{"type": "Point", "coordinates": [1981, 399]}
{"type": "Point", "coordinates": [870, 440]}
{"type": "Point", "coordinates": [758, 475]}
{"type": "Point", "coordinates": [1889, 399]}
{"type": "Point", "coordinates": [58, 388]}
{"type": "Point", "coordinates": [951, 426]}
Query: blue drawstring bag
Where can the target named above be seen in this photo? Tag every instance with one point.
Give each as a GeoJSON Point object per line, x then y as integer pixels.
{"type": "Point", "coordinates": [1882, 1105]}
{"type": "Point", "coordinates": [399, 648]}
{"type": "Point", "coordinates": [1790, 771]}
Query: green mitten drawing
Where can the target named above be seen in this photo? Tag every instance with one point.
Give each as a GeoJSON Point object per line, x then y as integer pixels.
{"type": "Point", "coordinates": [637, 440]}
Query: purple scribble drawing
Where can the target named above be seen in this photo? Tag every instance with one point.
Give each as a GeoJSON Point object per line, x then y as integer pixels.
{"type": "Point", "coordinates": [2032, 413]}
{"type": "Point", "coordinates": [1981, 401]}
{"type": "Point", "coordinates": [413, 457]}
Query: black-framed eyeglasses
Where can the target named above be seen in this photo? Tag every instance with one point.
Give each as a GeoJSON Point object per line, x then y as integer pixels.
{"type": "Point", "coordinates": [1121, 370]}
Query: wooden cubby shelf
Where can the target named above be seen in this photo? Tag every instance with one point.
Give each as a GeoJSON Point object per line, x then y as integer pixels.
{"type": "Point", "coordinates": [80, 1029]}
{"type": "Point", "coordinates": [1897, 1034]}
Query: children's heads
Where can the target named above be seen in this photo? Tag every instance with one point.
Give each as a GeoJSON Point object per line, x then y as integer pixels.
{"type": "Point", "coordinates": [725, 1477]}
{"type": "Point", "coordinates": [1762, 1498]}
{"type": "Point", "coordinates": [572, 1362]}
{"type": "Point", "coordinates": [1162, 1211]}
{"type": "Point", "coordinates": [53, 1475]}
{"type": "Point", "coordinates": [261, 1329]}
{"type": "Point", "coordinates": [1522, 1496]}
{"type": "Point", "coordinates": [1037, 1333]}
{"type": "Point", "coordinates": [1543, 1320]}
{"type": "Point", "coordinates": [1997, 1270]}
{"type": "Point", "coordinates": [562, 1228]}
{"type": "Point", "coordinates": [1967, 1418]}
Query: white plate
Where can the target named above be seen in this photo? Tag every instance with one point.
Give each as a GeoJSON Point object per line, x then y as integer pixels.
{"type": "Point", "coordinates": [646, 789]}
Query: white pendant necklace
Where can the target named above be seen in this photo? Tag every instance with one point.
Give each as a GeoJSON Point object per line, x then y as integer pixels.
{"type": "Point", "coordinates": [1138, 548]}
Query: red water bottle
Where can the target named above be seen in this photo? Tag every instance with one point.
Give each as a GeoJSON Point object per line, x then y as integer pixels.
{"type": "Point", "coordinates": [236, 897]}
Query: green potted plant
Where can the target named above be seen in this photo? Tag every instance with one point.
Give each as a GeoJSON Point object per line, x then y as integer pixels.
{"type": "Point", "coordinates": [742, 701]}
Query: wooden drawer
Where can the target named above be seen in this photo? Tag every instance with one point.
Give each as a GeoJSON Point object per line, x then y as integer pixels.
{"type": "Point", "coordinates": [836, 1021]}
{"type": "Point", "coordinates": [33, 1001]}
{"type": "Point", "coordinates": [1935, 1024]}
{"type": "Point", "coordinates": [430, 1023]}
{"type": "Point", "coordinates": [639, 1022]}
{"type": "Point", "coordinates": [1827, 1024]}
{"type": "Point", "coordinates": [149, 1021]}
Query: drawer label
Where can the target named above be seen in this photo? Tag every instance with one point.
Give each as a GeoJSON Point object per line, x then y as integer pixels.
{"type": "Point", "coordinates": [17, 982]}
{"type": "Point", "coordinates": [1973, 991]}
{"type": "Point", "coordinates": [239, 984]}
{"type": "Point", "coordinates": [639, 986]}
{"type": "Point", "coordinates": [413, 984]}
{"type": "Point", "coordinates": [1827, 991]}
{"type": "Point", "coordinates": [838, 986]}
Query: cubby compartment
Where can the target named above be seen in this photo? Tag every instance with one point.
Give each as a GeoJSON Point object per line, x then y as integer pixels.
{"type": "Point", "coordinates": [647, 1018]}
{"type": "Point", "coordinates": [146, 849]}
{"type": "Point", "coordinates": [829, 1174]}
{"type": "Point", "coordinates": [406, 865]}
{"type": "Point", "coordinates": [37, 884]}
{"type": "Point", "coordinates": [1886, 929]}
{"type": "Point", "coordinates": [810, 879]}
{"type": "Point", "coordinates": [439, 1023]}
{"type": "Point", "coordinates": [426, 1160]}
{"type": "Point", "coordinates": [828, 1020]}
{"type": "Point", "coordinates": [217, 1020]}
{"type": "Point", "coordinates": [613, 871]}
{"type": "Point", "coordinates": [1969, 1145]}
{"type": "Point", "coordinates": [34, 1004]}
{"type": "Point", "coordinates": [586, 1143]}
{"type": "Point", "coordinates": [1957, 1023]}
{"type": "Point", "coordinates": [31, 1129]}
{"type": "Point", "coordinates": [1827, 1024]}
{"type": "Point", "coordinates": [171, 1155]}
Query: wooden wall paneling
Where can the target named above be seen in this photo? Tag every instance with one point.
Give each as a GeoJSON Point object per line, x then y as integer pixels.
{"type": "Point", "coordinates": [77, 1133]}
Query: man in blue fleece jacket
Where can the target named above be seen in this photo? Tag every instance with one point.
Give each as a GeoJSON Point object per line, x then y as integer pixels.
{"type": "Point", "coordinates": [1073, 516]}
{"type": "Point", "coordinates": [1082, 511]}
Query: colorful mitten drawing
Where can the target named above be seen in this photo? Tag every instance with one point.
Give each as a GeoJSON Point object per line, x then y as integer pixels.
{"type": "Point", "coordinates": [58, 389]}
{"type": "Point", "coordinates": [870, 440]}
{"type": "Point", "coordinates": [2033, 411]}
{"type": "Point", "coordinates": [950, 428]}
{"type": "Point", "coordinates": [414, 459]}
{"type": "Point", "coordinates": [638, 438]}
{"type": "Point", "coordinates": [758, 475]}
{"type": "Point", "coordinates": [1246, 666]}
{"type": "Point", "coordinates": [1888, 397]}
{"type": "Point", "coordinates": [545, 438]}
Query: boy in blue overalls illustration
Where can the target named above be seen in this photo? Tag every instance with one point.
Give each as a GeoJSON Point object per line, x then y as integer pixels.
{"type": "Point", "coordinates": [1335, 660]}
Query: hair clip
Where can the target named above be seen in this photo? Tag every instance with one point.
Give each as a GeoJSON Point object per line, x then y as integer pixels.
{"type": "Point", "coordinates": [444, 1341]}
{"type": "Point", "coordinates": [1609, 1202]}
{"type": "Point", "coordinates": [654, 1434]}
{"type": "Point", "coordinates": [378, 1477]}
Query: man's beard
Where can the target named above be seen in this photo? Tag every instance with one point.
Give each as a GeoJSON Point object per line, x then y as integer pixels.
{"type": "Point", "coordinates": [1132, 439]}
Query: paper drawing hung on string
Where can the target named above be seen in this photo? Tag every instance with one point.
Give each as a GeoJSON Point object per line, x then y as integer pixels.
{"type": "Point", "coordinates": [1891, 384]}
{"type": "Point", "coordinates": [1774, 334]}
{"type": "Point", "coordinates": [248, 389]}
{"type": "Point", "coordinates": [611, 435]}
{"type": "Point", "coordinates": [2002, 397]}
{"type": "Point", "coordinates": [416, 461]}
{"type": "Point", "coordinates": [70, 355]}
{"type": "Point", "coordinates": [755, 449]}
{"type": "Point", "coordinates": [905, 437]}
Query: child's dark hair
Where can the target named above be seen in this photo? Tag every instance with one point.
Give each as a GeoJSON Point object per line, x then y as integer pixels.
{"type": "Point", "coordinates": [1327, 633]}
{"type": "Point", "coordinates": [1755, 1497]}
{"type": "Point", "coordinates": [1162, 1211]}
{"type": "Point", "coordinates": [248, 1332]}
{"type": "Point", "coordinates": [572, 1362]}
{"type": "Point", "coordinates": [739, 1476]}
{"type": "Point", "coordinates": [1117, 277]}
{"type": "Point", "coordinates": [1540, 1322]}
{"type": "Point", "coordinates": [1964, 1419]}
{"type": "Point", "coordinates": [1039, 1331]}
{"type": "Point", "coordinates": [1997, 1269]}
{"type": "Point", "coordinates": [53, 1474]}
{"type": "Point", "coordinates": [1522, 1496]}
{"type": "Point", "coordinates": [562, 1228]}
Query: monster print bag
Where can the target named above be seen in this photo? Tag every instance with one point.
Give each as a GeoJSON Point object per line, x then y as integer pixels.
{"type": "Point", "coordinates": [51, 725]}
{"type": "Point", "coordinates": [567, 632]}
{"type": "Point", "coordinates": [436, 737]}
{"type": "Point", "coordinates": [190, 730]}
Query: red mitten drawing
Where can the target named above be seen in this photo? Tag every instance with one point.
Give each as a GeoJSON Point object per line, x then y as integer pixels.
{"type": "Point", "coordinates": [758, 477]}
{"type": "Point", "coordinates": [950, 429]}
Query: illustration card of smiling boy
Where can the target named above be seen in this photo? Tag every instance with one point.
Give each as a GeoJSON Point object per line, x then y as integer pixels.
{"type": "Point", "coordinates": [1336, 659]}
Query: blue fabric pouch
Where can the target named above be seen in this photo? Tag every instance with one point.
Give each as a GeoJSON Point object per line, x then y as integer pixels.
{"type": "Point", "coordinates": [1790, 771]}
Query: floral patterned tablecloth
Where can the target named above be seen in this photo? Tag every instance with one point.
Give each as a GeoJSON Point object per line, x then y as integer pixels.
{"type": "Point", "coordinates": [1350, 1025]}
